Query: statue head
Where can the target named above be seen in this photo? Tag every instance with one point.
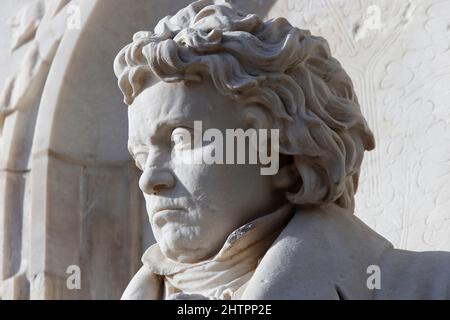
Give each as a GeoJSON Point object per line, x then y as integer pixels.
{"type": "Point", "coordinates": [213, 64]}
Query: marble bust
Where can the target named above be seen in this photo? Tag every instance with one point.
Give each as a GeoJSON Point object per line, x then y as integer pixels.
{"type": "Point", "coordinates": [226, 231]}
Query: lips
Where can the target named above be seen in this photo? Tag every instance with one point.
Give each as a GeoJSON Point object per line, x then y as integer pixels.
{"type": "Point", "coordinates": [169, 214]}
{"type": "Point", "coordinates": [154, 206]}
{"type": "Point", "coordinates": [160, 209]}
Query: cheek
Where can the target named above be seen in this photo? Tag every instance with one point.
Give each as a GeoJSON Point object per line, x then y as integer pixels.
{"type": "Point", "coordinates": [224, 190]}
{"type": "Point", "coordinates": [223, 181]}
{"type": "Point", "coordinates": [210, 187]}
{"type": "Point", "coordinates": [246, 180]}
{"type": "Point", "coordinates": [200, 178]}
{"type": "Point", "coordinates": [248, 192]}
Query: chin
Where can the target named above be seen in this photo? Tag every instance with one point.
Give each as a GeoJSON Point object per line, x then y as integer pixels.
{"type": "Point", "coordinates": [186, 243]}
{"type": "Point", "coordinates": [184, 255]}
{"type": "Point", "coordinates": [185, 249]}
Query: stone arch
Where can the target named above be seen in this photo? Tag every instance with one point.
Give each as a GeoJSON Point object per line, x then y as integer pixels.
{"type": "Point", "coordinates": [68, 188]}
{"type": "Point", "coordinates": [77, 201]}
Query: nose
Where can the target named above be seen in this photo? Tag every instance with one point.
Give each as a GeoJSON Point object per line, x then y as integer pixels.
{"type": "Point", "coordinates": [154, 180]}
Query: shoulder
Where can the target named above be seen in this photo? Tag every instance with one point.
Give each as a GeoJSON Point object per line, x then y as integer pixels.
{"type": "Point", "coordinates": [145, 285]}
{"type": "Point", "coordinates": [328, 255]}
{"type": "Point", "coordinates": [321, 254]}
{"type": "Point", "coordinates": [415, 275]}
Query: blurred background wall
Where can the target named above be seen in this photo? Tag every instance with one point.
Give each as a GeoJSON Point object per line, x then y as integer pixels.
{"type": "Point", "coordinates": [68, 188]}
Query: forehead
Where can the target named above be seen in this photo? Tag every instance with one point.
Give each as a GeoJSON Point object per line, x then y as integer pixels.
{"type": "Point", "coordinates": [178, 102]}
{"type": "Point", "coordinates": [172, 99]}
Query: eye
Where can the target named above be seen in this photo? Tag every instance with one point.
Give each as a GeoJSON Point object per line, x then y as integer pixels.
{"type": "Point", "coordinates": [181, 139]}
{"type": "Point", "coordinates": [140, 160]}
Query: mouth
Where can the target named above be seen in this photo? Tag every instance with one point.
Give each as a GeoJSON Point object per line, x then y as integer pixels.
{"type": "Point", "coordinates": [169, 214]}
{"type": "Point", "coordinates": [168, 208]}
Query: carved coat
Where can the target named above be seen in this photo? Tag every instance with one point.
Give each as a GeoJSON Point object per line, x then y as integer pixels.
{"type": "Point", "coordinates": [325, 254]}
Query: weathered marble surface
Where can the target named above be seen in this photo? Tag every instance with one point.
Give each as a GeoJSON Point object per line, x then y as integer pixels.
{"type": "Point", "coordinates": [211, 63]}
{"type": "Point", "coordinates": [69, 195]}
{"type": "Point", "coordinates": [398, 56]}
{"type": "Point", "coordinates": [400, 69]}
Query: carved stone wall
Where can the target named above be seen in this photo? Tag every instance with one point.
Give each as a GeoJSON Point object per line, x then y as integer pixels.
{"type": "Point", "coordinates": [398, 55]}
{"type": "Point", "coordinates": [68, 190]}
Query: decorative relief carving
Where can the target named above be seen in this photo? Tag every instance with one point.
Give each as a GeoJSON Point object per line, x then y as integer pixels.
{"type": "Point", "coordinates": [25, 23]}
{"type": "Point", "coordinates": [41, 25]}
{"type": "Point", "coordinates": [401, 71]}
{"type": "Point", "coordinates": [37, 29]}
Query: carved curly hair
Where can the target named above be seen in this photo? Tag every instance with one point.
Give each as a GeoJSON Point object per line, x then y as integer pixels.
{"type": "Point", "coordinates": [272, 65]}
